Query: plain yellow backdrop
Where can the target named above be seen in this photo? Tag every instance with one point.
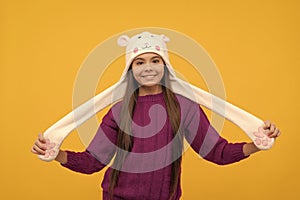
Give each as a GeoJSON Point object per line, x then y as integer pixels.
{"type": "Point", "coordinates": [255, 45]}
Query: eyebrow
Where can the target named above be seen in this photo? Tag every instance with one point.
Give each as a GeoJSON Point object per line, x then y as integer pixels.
{"type": "Point", "coordinates": [144, 58]}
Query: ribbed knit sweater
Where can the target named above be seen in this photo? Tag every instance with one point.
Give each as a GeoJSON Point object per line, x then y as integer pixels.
{"type": "Point", "coordinates": [146, 173]}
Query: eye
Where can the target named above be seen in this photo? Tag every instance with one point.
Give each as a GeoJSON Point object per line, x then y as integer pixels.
{"type": "Point", "coordinates": [139, 63]}
{"type": "Point", "coordinates": [156, 61]}
{"type": "Point", "coordinates": [151, 35]}
{"type": "Point", "coordinates": [139, 37]}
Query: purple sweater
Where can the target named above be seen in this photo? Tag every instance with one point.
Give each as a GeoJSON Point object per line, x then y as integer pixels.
{"type": "Point", "coordinates": [146, 172]}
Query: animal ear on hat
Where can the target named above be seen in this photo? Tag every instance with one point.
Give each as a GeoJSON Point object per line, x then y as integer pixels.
{"type": "Point", "coordinates": [165, 38]}
{"type": "Point", "coordinates": [123, 40]}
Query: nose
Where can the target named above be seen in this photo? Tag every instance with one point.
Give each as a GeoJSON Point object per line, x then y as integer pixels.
{"type": "Point", "coordinates": [148, 68]}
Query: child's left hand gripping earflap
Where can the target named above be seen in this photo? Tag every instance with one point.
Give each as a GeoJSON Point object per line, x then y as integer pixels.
{"type": "Point", "coordinates": [265, 136]}
{"type": "Point", "coordinates": [261, 138]}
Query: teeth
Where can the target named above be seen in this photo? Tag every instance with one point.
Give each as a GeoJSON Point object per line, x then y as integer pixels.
{"type": "Point", "coordinates": [149, 76]}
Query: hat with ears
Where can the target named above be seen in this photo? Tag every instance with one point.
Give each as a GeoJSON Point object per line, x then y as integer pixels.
{"type": "Point", "coordinates": [137, 45]}
{"type": "Point", "coordinates": [145, 42]}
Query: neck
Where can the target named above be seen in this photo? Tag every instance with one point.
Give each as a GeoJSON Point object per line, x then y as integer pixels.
{"type": "Point", "coordinates": [147, 90]}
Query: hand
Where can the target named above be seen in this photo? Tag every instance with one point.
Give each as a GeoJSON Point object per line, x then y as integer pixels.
{"type": "Point", "coordinates": [274, 132]}
{"type": "Point", "coordinates": [39, 146]}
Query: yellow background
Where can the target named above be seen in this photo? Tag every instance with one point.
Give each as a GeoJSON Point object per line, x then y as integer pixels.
{"type": "Point", "coordinates": [255, 45]}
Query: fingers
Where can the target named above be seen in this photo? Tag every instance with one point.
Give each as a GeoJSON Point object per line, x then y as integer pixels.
{"type": "Point", "coordinates": [41, 138]}
{"type": "Point", "coordinates": [273, 131]}
{"type": "Point", "coordinates": [267, 124]}
{"type": "Point", "coordinates": [274, 134]}
{"type": "Point", "coordinates": [37, 150]}
{"type": "Point", "coordinates": [33, 151]}
{"type": "Point", "coordinates": [39, 147]}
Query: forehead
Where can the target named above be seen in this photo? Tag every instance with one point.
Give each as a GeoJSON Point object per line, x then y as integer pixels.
{"type": "Point", "coordinates": [147, 56]}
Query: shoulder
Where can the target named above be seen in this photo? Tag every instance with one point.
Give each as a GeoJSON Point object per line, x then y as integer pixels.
{"type": "Point", "coordinates": [113, 114]}
{"type": "Point", "coordinates": [117, 106]}
{"type": "Point", "coordinates": [190, 109]}
{"type": "Point", "coordinates": [186, 103]}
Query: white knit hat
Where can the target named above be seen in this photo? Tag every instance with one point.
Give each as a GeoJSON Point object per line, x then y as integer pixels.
{"type": "Point", "coordinates": [145, 42]}
{"type": "Point", "coordinates": [137, 45]}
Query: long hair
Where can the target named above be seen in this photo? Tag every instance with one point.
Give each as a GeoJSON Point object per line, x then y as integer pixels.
{"type": "Point", "coordinates": [125, 140]}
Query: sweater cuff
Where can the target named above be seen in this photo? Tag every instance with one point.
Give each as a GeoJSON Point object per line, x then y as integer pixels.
{"type": "Point", "coordinates": [71, 160]}
{"type": "Point", "coordinates": [237, 151]}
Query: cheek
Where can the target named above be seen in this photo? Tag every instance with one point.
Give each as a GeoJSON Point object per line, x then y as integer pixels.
{"type": "Point", "coordinates": [135, 74]}
{"type": "Point", "coordinates": [137, 70]}
{"type": "Point", "coordinates": [160, 71]}
{"type": "Point", "coordinates": [161, 75]}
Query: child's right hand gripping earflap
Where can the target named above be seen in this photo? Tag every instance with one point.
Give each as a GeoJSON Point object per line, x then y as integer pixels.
{"type": "Point", "coordinates": [44, 148]}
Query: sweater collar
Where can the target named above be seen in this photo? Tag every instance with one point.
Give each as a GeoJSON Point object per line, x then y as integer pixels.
{"type": "Point", "coordinates": [150, 97]}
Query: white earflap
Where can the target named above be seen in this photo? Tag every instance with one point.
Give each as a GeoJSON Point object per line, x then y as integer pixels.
{"type": "Point", "coordinates": [123, 40]}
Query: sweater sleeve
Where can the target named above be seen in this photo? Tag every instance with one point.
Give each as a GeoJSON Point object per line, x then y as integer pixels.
{"type": "Point", "coordinates": [206, 141]}
{"type": "Point", "coordinates": [82, 162]}
{"type": "Point", "coordinates": [100, 150]}
{"type": "Point", "coordinates": [103, 145]}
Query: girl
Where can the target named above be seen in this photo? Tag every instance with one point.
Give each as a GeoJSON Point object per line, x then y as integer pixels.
{"type": "Point", "coordinates": [145, 131]}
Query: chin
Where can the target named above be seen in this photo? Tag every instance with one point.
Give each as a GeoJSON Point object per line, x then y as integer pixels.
{"type": "Point", "coordinates": [151, 84]}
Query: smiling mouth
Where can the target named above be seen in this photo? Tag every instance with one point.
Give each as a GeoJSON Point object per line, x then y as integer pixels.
{"type": "Point", "coordinates": [149, 76]}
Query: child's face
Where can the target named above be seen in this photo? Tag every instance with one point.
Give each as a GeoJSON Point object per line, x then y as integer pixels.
{"type": "Point", "coordinates": [148, 69]}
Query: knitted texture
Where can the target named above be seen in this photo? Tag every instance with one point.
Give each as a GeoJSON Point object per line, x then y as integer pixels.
{"type": "Point", "coordinates": [148, 177]}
